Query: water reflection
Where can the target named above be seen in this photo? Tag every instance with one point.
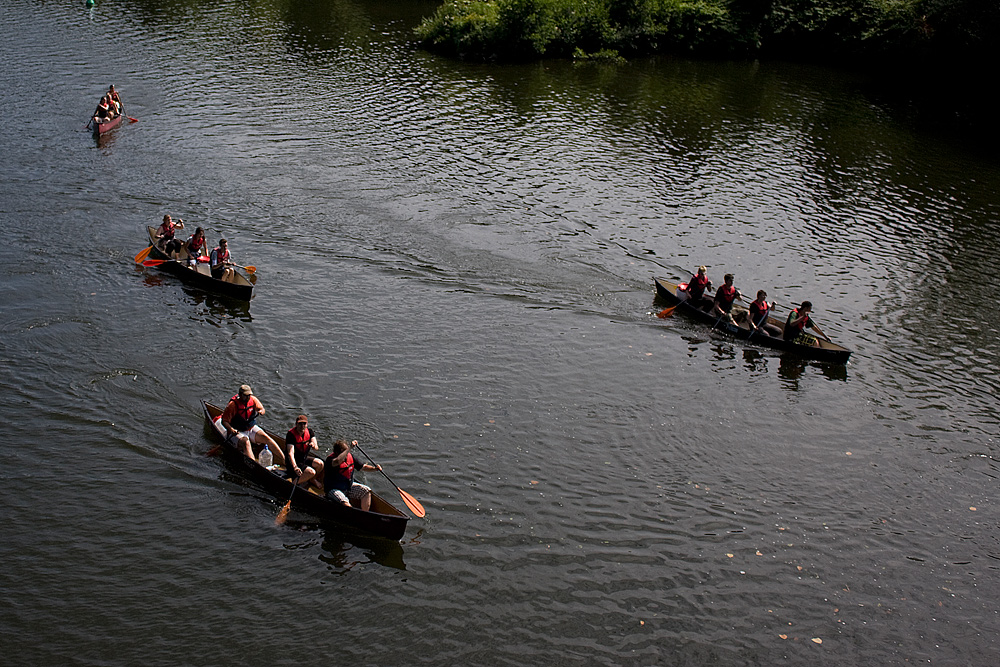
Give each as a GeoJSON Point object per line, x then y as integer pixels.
{"type": "Point", "coordinates": [791, 367]}
{"type": "Point", "coordinates": [340, 550]}
{"type": "Point", "coordinates": [105, 141]}
{"type": "Point", "coordinates": [219, 307]}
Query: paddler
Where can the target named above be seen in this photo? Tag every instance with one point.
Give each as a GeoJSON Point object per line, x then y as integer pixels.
{"type": "Point", "coordinates": [240, 420]}
{"type": "Point", "coordinates": [338, 478]}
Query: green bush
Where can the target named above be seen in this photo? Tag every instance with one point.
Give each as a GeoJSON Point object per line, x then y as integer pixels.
{"type": "Point", "coordinates": [518, 29]}
{"type": "Point", "coordinates": [801, 29]}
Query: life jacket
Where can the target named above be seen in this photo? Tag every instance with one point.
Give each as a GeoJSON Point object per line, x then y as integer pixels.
{"type": "Point", "coordinates": [725, 296]}
{"type": "Point", "coordinates": [759, 313]}
{"type": "Point", "coordinates": [167, 230]}
{"type": "Point", "coordinates": [219, 257]}
{"type": "Point", "coordinates": [246, 414]}
{"type": "Point", "coordinates": [697, 286]}
{"type": "Point", "coordinates": [793, 330]}
{"type": "Point", "coordinates": [346, 469]}
{"type": "Point", "coordinates": [195, 245]}
{"type": "Point", "coordinates": [301, 448]}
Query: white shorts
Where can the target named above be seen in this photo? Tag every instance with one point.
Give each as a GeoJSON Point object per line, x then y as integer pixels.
{"type": "Point", "coordinates": [357, 492]}
{"type": "Point", "coordinates": [251, 434]}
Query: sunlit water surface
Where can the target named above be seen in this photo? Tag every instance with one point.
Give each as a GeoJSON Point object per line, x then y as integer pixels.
{"type": "Point", "coordinates": [455, 266]}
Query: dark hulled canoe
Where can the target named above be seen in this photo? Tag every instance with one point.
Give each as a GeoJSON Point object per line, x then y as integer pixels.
{"type": "Point", "coordinates": [824, 351]}
{"type": "Point", "coordinates": [107, 124]}
{"type": "Point", "coordinates": [199, 275]}
{"type": "Point", "coordinates": [382, 519]}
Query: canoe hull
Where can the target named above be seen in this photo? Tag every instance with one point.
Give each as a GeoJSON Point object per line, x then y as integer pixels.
{"type": "Point", "coordinates": [199, 275]}
{"type": "Point", "coordinates": [384, 520]}
{"type": "Point", "coordinates": [100, 127]}
{"type": "Point", "coordinates": [826, 351]}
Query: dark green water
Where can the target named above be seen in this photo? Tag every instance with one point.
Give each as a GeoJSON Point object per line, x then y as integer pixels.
{"type": "Point", "coordinates": [455, 267]}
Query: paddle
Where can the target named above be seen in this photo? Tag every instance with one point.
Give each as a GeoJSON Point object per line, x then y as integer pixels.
{"type": "Point", "coordinates": [759, 323]}
{"type": "Point", "coordinates": [820, 332]}
{"type": "Point", "coordinates": [410, 501]}
{"type": "Point", "coordinates": [667, 312]}
{"type": "Point", "coordinates": [283, 514]}
{"type": "Point", "coordinates": [248, 269]}
{"type": "Point", "coordinates": [143, 254]}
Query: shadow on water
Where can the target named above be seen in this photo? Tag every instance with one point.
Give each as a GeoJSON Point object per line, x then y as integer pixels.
{"type": "Point", "coordinates": [219, 307]}
{"type": "Point", "coordinates": [338, 547]}
{"type": "Point", "coordinates": [105, 141]}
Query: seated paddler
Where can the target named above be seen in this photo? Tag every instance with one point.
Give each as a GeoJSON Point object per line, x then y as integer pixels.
{"type": "Point", "coordinates": [240, 421]}
{"type": "Point", "coordinates": [338, 478]}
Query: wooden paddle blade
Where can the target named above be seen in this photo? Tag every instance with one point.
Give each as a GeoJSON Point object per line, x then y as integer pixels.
{"type": "Point", "coordinates": [283, 514]}
{"type": "Point", "coordinates": [143, 254]}
{"type": "Point", "coordinates": [666, 312]}
{"type": "Point", "coordinates": [412, 503]}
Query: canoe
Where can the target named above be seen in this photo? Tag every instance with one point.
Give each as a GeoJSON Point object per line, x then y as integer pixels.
{"type": "Point", "coordinates": [382, 520]}
{"type": "Point", "coordinates": [824, 350]}
{"type": "Point", "coordinates": [102, 126]}
{"type": "Point", "coordinates": [199, 274]}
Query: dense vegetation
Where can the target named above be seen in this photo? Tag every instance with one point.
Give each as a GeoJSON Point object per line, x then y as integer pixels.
{"type": "Point", "coordinates": [925, 31]}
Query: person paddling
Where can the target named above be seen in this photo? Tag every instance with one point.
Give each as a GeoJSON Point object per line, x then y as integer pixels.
{"type": "Point", "coordinates": [338, 480]}
{"type": "Point", "coordinates": [240, 420]}
{"type": "Point", "coordinates": [165, 236]}
{"type": "Point", "coordinates": [757, 312]}
{"type": "Point", "coordinates": [795, 325]}
{"type": "Point", "coordinates": [196, 246]}
{"type": "Point", "coordinates": [696, 289]}
{"type": "Point", "coordinates": [115, 98]}
{"type": "Point", "coordinates": [725, 296]}
{"type": "Point", "coordinates": [220, 261]}
{"type": "Point", "coordinates": [300, 454]}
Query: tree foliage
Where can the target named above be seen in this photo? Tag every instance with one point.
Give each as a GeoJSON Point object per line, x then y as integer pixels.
{"type": "Point", "coordinates": [855, 30]}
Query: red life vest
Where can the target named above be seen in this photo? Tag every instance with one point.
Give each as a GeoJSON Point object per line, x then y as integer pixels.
{"type": "Point", "coordinates": [246, 414]}
{"type": "Point", "coordinates": [301, 445]}
{"type": "Point", "coordinates": [726, 295]}
{"type": "Point", "coordinates": [195, 245]}
{"type": "Point", "coordinates": [697, 286]}
{"type": "Point", "coordinates": [758, 312]}
{"type": "Point", "coordinates": [801, 326]}
{"type": "Point", "coordinates": [167, 230]}
{"type": "Point", "coordinates": [347, 468]}
{"type": "Point", "coordinates": [219, 256]}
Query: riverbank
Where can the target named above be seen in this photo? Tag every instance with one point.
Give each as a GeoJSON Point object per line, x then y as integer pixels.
{"type": "Point", "coordinates": [925, 55]}
{"type": "Point", "coordinates": [821, 30]}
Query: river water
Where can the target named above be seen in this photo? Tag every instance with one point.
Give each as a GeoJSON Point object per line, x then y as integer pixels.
{"type": "Point", "coordinates": [455, 266]}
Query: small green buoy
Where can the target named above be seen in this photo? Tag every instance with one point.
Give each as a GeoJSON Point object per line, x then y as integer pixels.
{"type": "Point", "coordinates": [90, 3]}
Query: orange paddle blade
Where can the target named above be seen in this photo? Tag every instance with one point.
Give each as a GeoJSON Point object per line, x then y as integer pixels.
{"type": "Point", "coordinates": [250, 269]}
{"type": "Point", "coordinates": [283, 514]}
{"type": "Point", "coordinates": [156, 262]}
{"type": "Point", "coordinates": [214, 450]}
{"type": "Point", "coordinates": [412, 503]}
{"type": "Point", "coordinates": [143, 254]}
{"type": "Point", "coordinates": [666, 312]}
